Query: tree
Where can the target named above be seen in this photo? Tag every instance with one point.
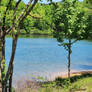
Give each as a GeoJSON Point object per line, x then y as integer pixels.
{"type": "Point", "coordinates": [69, 25]}
{"type": "Point", "coordinates": [13, 27]}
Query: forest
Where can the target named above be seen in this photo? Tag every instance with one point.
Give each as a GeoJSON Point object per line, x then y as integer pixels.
{"type": "Point", "coordinates": [68, 23]}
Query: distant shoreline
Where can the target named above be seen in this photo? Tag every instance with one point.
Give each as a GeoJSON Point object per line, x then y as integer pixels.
{"type": "Point", "coordinates": [77, 73]}
{"type": "Point", "coordinates": [64, 74]}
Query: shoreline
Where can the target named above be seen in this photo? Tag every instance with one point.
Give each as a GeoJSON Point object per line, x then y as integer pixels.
{"type": "Point", "coordinates": [65, 75]}
{"type": "Point", "coordinates": [76, 73]}
{"type": "Point", "coordinates": [34, 83]}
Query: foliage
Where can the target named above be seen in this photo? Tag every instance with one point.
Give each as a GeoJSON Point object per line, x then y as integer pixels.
{"type": "Point", "coordinates": [41, 17]}
{"type": "Point", "coordinates": [89, 27]}
{"type": "Point", "coordinates": [69, 22]}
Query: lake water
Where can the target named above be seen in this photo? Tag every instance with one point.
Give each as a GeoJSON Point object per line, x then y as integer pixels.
{"type": "Point", "coordinates": [43, 57]}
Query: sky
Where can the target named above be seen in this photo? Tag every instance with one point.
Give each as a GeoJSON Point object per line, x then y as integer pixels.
{"type": "Point", "coordinates": [44, 1]}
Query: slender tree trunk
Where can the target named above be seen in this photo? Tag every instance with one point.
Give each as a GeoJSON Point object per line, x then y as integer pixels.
{"type": "Point", "coordinates": [10, 80]}
{"type": "Point", "coordinates": [3, 47]}
{"type": "Point", "coordinates": [0, 63]}
{"type": "Point", "coordinates": [0, 51]}
{"type": "Point", "coordinates": [3, 58]}
{"type": "Point", "coordinates": [14, 44]}
{"type": "Point", "coordinates": [69, 58]}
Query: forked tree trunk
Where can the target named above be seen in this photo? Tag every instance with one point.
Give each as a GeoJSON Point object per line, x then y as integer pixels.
{"type": "Point", "coordinates": [14, 44]}
{"type": "Point", "coordinates": [69, 58]}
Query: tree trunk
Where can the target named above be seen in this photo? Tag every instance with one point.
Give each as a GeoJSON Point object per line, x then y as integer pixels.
{"type": "Point", "coordinates": [0, 52]}
{"type": "Point", "coordinates": [10, 80]}
{"type": "Point", "coordinates": [69, 58]}
{"type": "Point", "coordinates": [3, 58]}
{"type": "Point", "coordinates": [0, 63]}
{"type": "Point", "coordinates": [10, 68]}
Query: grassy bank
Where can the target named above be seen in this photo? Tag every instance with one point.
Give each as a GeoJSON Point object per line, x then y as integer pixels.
{"type": "Point", "coordinates": [81, 83]}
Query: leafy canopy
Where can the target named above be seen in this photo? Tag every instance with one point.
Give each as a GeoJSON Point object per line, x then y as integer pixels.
{"type": "Point", "coordinates": [69, 21]}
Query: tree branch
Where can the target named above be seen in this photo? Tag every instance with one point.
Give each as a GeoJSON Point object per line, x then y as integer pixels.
{"type": "Point", "coordinates": [0, 14]}
{"type": "Point", "coordinates": [8, 30]}
{"type": "Point", "coordinates": [21, 15]}
{"type": "Point", "coordinates": [14, 19]}
{"type": "Point", "coordinates": [4, 18]}
{"type": "Point", "coordinates": [27, 13]}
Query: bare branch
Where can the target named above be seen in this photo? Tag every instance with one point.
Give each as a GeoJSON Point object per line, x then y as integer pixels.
{"type": "Point", "coordinates": [21, 15]}
{"type": "Point", "coordinates": [27, 13]}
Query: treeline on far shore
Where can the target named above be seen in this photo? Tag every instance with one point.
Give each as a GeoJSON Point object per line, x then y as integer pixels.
{"type": "Point", "coordinates": [40, 20]}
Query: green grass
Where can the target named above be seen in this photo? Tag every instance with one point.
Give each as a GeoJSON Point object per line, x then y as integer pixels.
{"type": "Point", "coordinates": [85, 83]}
{"type": "Point", "coordinates": [81, 85]}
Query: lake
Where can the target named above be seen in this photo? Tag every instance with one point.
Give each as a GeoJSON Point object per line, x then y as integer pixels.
{"type": "Point", "coordinates": [43, 57]}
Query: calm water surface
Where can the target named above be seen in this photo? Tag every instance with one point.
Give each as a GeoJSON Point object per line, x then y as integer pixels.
{"type": "Point", "coordinates": [43, 57]}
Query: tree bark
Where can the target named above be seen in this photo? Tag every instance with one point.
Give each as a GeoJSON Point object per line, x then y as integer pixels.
{"type": "Point", "coordinates": [69, 58]}
{"type": "Point", "coordinates": [0, 63]}
{"type": "Point", "coordinates": [10, 79]}
{"type": "Point", "coordinates": [0, 50]}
